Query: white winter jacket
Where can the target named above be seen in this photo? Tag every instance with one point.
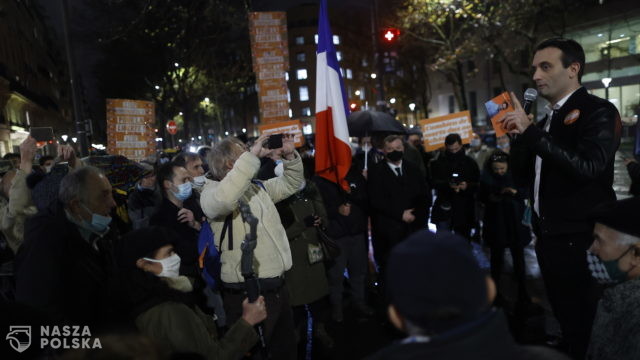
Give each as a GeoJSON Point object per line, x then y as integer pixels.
{"type": "Point", "coordinates": [272, 256]}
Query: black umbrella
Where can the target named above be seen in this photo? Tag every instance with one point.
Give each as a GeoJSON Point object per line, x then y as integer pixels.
{"type": "Point", "coordinates": [363, 123]}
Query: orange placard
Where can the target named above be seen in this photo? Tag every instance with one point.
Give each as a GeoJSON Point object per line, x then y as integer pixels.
{"type": "Point", "coordinates": [130, 128]}
{"type": "Point", "coordinates": [286, 127]}
{"type": "Point", "coordinates": [270, 54]}
{"type": "Point", "coordinates": [434, 130]}
{"type": "Point", "coordinates": [497, 108]}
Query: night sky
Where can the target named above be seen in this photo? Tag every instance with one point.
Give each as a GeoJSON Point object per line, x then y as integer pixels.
{"type": "Point", "coordinates": [87, 53]}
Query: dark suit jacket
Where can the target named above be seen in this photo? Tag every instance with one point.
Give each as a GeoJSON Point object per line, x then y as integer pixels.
{"type": "Point", "coordinates": [577, 162]}
{"type": "Point", "coordinates": [390, 196]}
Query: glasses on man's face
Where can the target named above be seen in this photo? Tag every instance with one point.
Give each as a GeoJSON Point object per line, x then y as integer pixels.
{"type": "Point", "coordinates": [499, 158]}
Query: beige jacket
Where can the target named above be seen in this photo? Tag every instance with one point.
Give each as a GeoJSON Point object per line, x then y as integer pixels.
{"type": "Point", "coordinates": [272, 256]}
{"type": "Point", "coordinates": [13, 213]}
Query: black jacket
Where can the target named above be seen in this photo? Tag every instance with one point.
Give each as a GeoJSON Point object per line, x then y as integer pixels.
{"type": "Point", "coordinates": [141, 205]}
{"type": "Point", "coordinates": [503, 213]}
{"type": "Point", "coordinates": [461, 204]}
{"type": "Point", "coordinates": [634, 173]}
{"type": "Point", "coordinates": [577, 162]}
{"type": "Point", "coordinates": [488, 341]}
{"type": "Point", "coordinates": [186, 245]}
{"type": "Point", "coordinates": [61, 274]}
{"type": "Point", "coordinates": [333, 196]}
{"type": "Point", "coordinates": [390, 196]}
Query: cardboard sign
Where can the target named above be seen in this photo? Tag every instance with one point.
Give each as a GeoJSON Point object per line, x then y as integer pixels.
{"type": "Point", "coordinates": [435, 130]}
{"type": "Point", "coordinates": [270, 55]}
{"type": "Point", "coordinates": [497, 108]}
{"type": "Point", "coordinates": [130, 128]}
{"type": "Point", "coordinates": [286, 127]}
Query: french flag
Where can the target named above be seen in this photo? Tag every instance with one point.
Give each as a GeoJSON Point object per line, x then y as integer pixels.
{"type": "Point", "coordinates": [333, 152]}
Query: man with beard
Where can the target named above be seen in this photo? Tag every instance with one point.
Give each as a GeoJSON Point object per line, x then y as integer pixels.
{"type": "Point", "coordinates": [455, 178]}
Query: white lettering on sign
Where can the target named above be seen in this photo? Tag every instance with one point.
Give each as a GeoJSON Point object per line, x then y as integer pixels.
{"type": "Point", "coordinates": [435, 133]}
{"type": "Point", "coordinates": [131, 144]}
{"type": "Point", "coordinates": [128, 111]}
{"type": "Point", "coordinates": [131, 128]}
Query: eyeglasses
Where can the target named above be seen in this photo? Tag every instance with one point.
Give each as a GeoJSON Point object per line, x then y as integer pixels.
{"type": "Point", "coordinates": [499, 158]}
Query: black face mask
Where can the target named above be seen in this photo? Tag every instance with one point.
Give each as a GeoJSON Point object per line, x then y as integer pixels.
{"type": "Point", "coordinates": [454, 156]}
{"type": "Point", "coordinates": [395, 156]}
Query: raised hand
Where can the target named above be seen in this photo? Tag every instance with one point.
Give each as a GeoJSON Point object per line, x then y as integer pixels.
{"type": "Point", "coordinates": [517, 121]}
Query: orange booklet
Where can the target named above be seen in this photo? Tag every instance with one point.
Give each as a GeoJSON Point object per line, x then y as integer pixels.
{"type": "Point", "coordinates": [497, 108]}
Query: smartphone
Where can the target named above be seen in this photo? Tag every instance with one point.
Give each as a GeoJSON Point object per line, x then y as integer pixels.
{"type": "Point", "coordinates": [275, 141]}
{"type": "Point", "coordinates": [43, 135]}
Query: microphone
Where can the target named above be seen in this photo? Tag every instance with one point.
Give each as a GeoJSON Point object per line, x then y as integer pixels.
{"type": "Point", "coordinates": [530, 96]}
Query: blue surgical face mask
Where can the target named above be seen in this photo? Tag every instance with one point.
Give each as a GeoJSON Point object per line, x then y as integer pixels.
{"type": "Point", "coordinates": [99, 223]}
{"type": "Point", "coordinates": [184, 191]}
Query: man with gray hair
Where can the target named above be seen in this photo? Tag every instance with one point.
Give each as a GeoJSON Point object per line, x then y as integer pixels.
{"type": "Point", "coordinates": [234, 169]}
{"type": "Point", "coordinates": [614, 261]}
{"type": "Point", "coordinates": [64, 268]}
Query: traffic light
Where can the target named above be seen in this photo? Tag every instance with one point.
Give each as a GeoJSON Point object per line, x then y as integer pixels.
{"type": "Point", "coordinates": [390, 35]}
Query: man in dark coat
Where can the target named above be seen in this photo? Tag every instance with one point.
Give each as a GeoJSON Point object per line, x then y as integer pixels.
{"type": "Point", "coordinates": [614, 260]}
{"type": "Point", "coordinates": [455, 178]}
{"type": "Point", "coordinates": [65, 266]}
{"type": "Point", "coordinates": [568, 160]}
{"type": "Point", "coordinates": [180, 212]}
{"type": "Point", "coordinates": [446, 311]}
{"type": "Point", "coordinates": [399, 199]}
{"type": "Point", "coordinates": [144, 199]}
{"type": "Point", "coordinates": [633, 168]}
{"type": "Point", "coordinates": [347, 212]}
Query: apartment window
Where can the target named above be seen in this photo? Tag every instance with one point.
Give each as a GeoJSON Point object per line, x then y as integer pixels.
{"type": "Point", "coordinates": [301, 57]}
{"type": "Point", "coordinates": [339, 55]}
{"type": "Point", "coordinates": [290, 113]}
{"type": "Point", "coordinates": [301, 74]}
{"type": "Point", "coordinates": [304, 93]}
{"type": "Point", "coordinates": [349, 74]}
{"type": "Point", "coordinates": [315, 38]}
{"type": "Point", "coordinates": [306, 111]}
{"type": "Point", "coordinates": [452, 104]}
{"type": "Point", "coordinates": [300, 40]}
{"type": "Point", "coordinates": [286, 76]}
{"type": "Point", "coordinates": [336, 40]}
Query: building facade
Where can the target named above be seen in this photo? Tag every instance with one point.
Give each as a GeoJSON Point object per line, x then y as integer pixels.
{"type": "Point", "coordinates": [33, 79]}
{"type": "Point", "coordinates": [353, 43]}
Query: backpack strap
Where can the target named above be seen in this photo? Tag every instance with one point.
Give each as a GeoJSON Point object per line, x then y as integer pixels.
{"type": "Point", "coordinates": [228, 225]}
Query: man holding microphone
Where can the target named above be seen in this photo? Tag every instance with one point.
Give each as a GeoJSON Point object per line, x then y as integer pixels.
{"type": "Point", "coordinates": [567, 159]}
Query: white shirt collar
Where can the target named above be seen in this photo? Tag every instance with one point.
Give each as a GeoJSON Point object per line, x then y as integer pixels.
{"type": "Point", "coordinates": [394, 166]}
{"type": "Point", "coordinates": [559, 104]}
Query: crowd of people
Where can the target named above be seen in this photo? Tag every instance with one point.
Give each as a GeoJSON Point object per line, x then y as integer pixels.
{"type": "Point", "coordinates": [168, 257]}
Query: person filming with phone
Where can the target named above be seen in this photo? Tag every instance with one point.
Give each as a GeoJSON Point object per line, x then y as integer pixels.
{"type": "Point", "coordinates": [234, 168]}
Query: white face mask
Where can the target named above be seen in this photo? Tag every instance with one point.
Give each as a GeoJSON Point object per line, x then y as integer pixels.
{"type": "Point", "coordinates": [199, 180]}
{"type": "Point", "coordinates": [170, 266]}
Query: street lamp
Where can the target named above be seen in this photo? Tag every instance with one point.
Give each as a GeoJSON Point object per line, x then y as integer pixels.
{"type": "Point", "coordinates": [357, 92]}
{"type": "Point", "coordinates": [176, 64]}
{"type": "Point", "coordinates": [373, 76]}
{"type": "Point", "coordinates": [412, 106]}
{"type": "Point", "coordinates": [606, 81]}
{"type": "Point", "coordinates": [392, 100]}
{"type": "Point", "coordinates": [226, 133]}
{"type": "Point", "coordinates": [74, 139]}
{"type": "Point", "coordinates": [64, 137]}
{"type": "Point", "coordinates": [157, 87]}
{"type": "Point", "coordinates": [244, 131]}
